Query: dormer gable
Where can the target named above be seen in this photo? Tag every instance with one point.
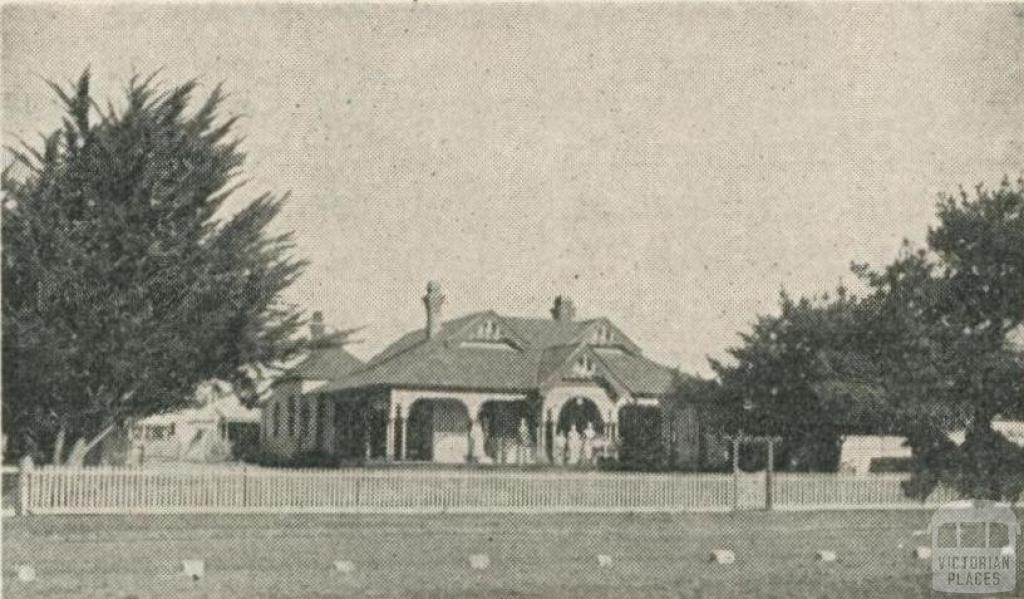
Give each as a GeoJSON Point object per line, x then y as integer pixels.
{"type": "Point", "coordinates": [601, 333]}
{"type": "Point", "coordinates": [487, 330]}
{"type": "Point", "coordinates": [585, 365]}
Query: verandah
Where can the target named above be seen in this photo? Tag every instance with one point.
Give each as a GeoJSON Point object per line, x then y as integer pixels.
{"type": "Point", "coordinates": [490, 428]}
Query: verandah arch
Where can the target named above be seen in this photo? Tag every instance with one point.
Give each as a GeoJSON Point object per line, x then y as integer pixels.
{"type": "Point", "coordinates": [502, 427]}
{"type": "Point", "coordinates": [578, 413]}
{"type": "Point", "coordinates": [438, 430]}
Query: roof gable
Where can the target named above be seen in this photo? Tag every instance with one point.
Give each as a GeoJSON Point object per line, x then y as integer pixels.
{"type": "Point", "coordinates": [579, 363]}
{"type": "Point", "coordinates": [602, 332]}
{"type": "Point", "coordinates": [488, 327]}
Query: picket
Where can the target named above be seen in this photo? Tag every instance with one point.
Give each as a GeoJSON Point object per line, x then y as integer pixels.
{"type": "Point", "coordinates": [51, 489]}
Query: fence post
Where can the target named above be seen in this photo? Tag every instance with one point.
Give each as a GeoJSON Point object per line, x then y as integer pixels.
{"type": "Point", "coordinates": [23, 484]}
{"type": "Point", "coordinates": [736, 474]}
{"type": "Point", "coordinates": [245, 487]}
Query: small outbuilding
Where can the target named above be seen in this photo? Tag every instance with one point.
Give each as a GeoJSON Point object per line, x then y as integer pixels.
{"type": "Point", "coordinates": [218, 431]}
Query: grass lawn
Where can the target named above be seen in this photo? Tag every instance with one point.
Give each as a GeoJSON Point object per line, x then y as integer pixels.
{"type": "Point", "coordinates": [531, 555]}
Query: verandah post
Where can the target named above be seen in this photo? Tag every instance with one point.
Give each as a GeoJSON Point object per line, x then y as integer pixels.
{"type": "Point", "coordinates": [403, 431]}
{"type": "Point", "coordinates": [471, 441]}
{"type": "Point", "coordinates": [390, 452]}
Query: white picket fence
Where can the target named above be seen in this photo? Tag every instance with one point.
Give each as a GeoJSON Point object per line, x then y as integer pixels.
{"type": "Point", "coordinates": [814, 491]}
{"type": "Point", "coordinates": [97, 490]}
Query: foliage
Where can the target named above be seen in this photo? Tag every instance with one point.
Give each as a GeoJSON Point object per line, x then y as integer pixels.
{"type": "Point", "coordinates": [640, 440]}
{"type": "Point", "coordinates": [940, 319]}
{"type": "Point", "coordinates": [125, 284]}
{"type": "Point", "coordinates": [307, 459]}
{"type": "Point", "coordinates": [924, 352]}
{"type": "Point", "coordinates": [705, 398]}
{"type": "Point", "coordinates": [800, 375]}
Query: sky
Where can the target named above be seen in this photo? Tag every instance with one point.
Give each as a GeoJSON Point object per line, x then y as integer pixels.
{"type": "Point", "coordinates": [669, 166]}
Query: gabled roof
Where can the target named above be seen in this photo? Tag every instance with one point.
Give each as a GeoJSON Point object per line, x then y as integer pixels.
{"type": "Point", "coordinates": [537, 349]}
{"type": "Point", "coordinates": [638, 374]}
{"type": "Point", "coordinates": [553, 359]}
{"type": "Point", "coordinates": [327, 360]}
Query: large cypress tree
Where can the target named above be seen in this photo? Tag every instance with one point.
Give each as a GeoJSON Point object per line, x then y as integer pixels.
{"type": "Point", "coordinates": [125, 283]}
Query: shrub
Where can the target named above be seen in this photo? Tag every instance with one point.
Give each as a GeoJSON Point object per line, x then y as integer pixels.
{"type": "Point", "coordinates": [305, 459]}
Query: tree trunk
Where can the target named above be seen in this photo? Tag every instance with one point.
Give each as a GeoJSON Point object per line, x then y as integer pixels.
{"type": "Point", "coordinates": [77, 456]}
{"type": "Point", "coordinates": [82, 449]}
{"type": "Point", "coordinates": [58, 446]}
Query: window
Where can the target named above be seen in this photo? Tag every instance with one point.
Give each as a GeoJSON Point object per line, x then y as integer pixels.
{"type": "Point", "coordinates": [277, 418]}
{"type": "Point", "coordinates": [321, 422]}
{"type": "Point", "coordinates": [304, 418]}
{"type": "Point", "coordinates": [159, 432]}
{"type": "Point", "coordinates": [603, 335]}
{"type": "Point", "coordinates": [584, 366]}
{"type": "Point", "coordinates": [291, 416]}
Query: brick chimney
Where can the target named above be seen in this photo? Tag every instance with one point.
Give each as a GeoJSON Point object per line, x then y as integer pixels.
{"type": "Point", "coordinates": [563, 310]}
{"type": "Point", "coordinates": [433, 301]}
{"type": "Point", "coordinates": [316, 326]}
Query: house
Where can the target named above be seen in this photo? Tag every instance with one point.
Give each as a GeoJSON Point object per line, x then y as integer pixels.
{"type": "Point", "coordinates": [861, 454]}
{"type": "Point", "coordinates": [286, 424]}
{"type": "Point", "coordinates": [859, 451]}
{"type": "Point", "coordinates": [486, 388]}
{"type": "Point", "coordinates": [215, 431]}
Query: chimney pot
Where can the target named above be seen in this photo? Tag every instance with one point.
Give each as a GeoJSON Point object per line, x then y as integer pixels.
{"type": "Point", "coordinates": [316, 325]}
{"type": "Point", "coordinates": [433, 301]}
{"type": "Point", "coordinates": [563, 310]}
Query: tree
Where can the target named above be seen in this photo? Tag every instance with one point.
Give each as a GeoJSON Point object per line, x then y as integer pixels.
{"type": "Point", "coordinates": [923, 353]}
{"type": "Point", "coordinates": [125, 284]}
{"type": "Point", "coordinates": [940, 318]}
{"type": "Point", "coordinates": [801, 375]}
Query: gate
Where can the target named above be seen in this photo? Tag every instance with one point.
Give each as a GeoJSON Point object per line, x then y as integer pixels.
{"type": "Point", "coordinates": [751, 490]}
